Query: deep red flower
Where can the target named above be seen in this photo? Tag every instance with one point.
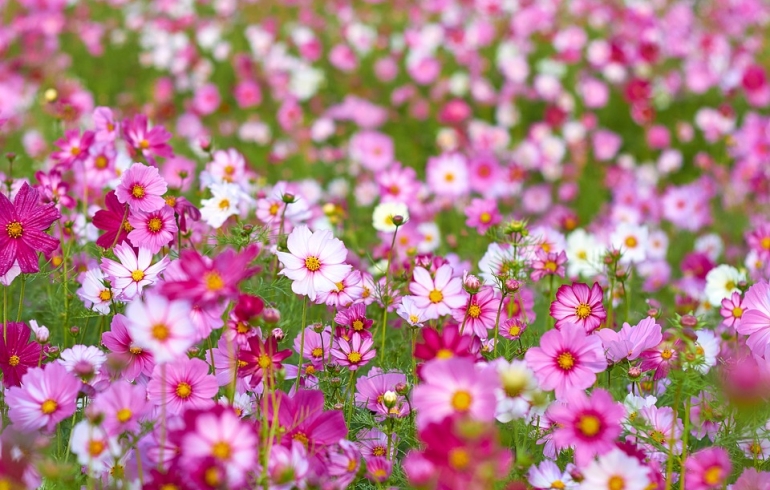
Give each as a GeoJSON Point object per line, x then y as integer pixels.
{"type": "Point", "coordinates": [17, 353]}
{"type": "Point", "coordinates": [22, 226]}
{"type": "Point", "coordinates": [302, 418]}
{"type": "Point", "coordinates": [263, 358]}
{"type": "Point", "coordinates": [113, 220]}
{"type": "Point", "coordinates": [449, 343]}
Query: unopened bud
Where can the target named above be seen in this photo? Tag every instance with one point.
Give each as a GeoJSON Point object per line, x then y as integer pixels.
{"type": "Point", "coordinates": [204, 142]}
{"type": "Point", "coordinates": [688, 321]}
{"type": "Point", "coordinates": [402, 388]}
{"type": "Point", "coordinates": [289, 198]}
{"type": "Point", "coordinates": [51, 95]}
{"type": "Point", "coordinates": [512, 285]}
{"type": "Point", "coordinates": [278, 334]}
{"type": "Point", "coordinates": [389, 399]}
{"type": "Point", "coordinates": [634, 372]}
{"type": "Point", "coordinates": [10, 156]}
{"type": "Point", "coordinates": [271, 315]}
{"type": "Point", "coordinates": [74, 331]}
{"type": "Point", "coordinates": [398, 220]}
{"type": "Point", "coordinates": [472, 284]}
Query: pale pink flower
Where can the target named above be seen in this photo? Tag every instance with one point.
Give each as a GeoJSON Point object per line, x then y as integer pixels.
{"type": "Point", "coordinates": [437, 297]}
{"type": "Point", "coordinates": [161, 326]}
{"type": "Point", "coordinates": [134, 272]}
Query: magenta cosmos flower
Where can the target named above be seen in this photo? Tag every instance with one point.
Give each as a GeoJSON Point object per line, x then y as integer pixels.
{"type": "Point", "coordinates": [142, 187]}
{"type": "Point", "coordinates": [262, 358]}
{"type": "Point", "coordinates": [437, 296]}
{"type": "Point", "coordinates": [23, 223]}
{"type": "Point", "coordinates": [708, 469]}
{"type": "Point", "coordinates": [589, 424]}
{"type": "Point", "coordinates": [455, 386]}
{"type": "Point", "coordinates": [302, 418]}
{"type": "Point", "coordinates": [113, 221]}
{"type": "Point", "coordinates": [149, 142]}
{"type": "Point", "coordinates": [121, 407]}
{"type": "Point", "coordinates": [479, 312]}
{"type": "Point", "coordinates": [46, 397]}
{"type": "Point", "coordinates": [131, 359]}
{"type": "Point", "coordinates": [17, 353]}
{"type": "Point", "coordinates": [579, 305]}
{"type": "Point", "coordinates": [315, 262]}
{"type": "Point", "coordinates": [567, 359]}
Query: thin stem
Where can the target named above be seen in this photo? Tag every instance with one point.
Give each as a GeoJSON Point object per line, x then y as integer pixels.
{"type": "Point", "coordinates": [685, 435]}
{"type": "Point", "coordinates": [5, 313]}
{"type": "Point", "coordinates": [465, 317]}
{"type": "Point", "coordinates": [21, 297]}
{"type": "Point", "coordinates": [497, 321]}
{"type": "Point", "coordinates": [351, 392]}
{"type": "Point", "coordinates": [302, 342]}
{"type": "Point", "coordinates": [386, 296]}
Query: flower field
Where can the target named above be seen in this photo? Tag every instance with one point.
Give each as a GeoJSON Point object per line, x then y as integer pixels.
{"type": "Point", "coordinates": [374, 244]}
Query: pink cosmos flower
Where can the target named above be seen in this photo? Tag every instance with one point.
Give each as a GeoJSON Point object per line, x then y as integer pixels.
{"type": "Point", "coordinates": [567, 359]}
{"type": "Point", "coordinates": [589, 424]}
{"type": "Point", "coordinates": [22, 230]}
{"type": "Point", "coordinates": [455, 386]}
{"type": "Point", "coordinates": [186, 384]}
{"type": "Point", "coordinates": [662, 426]}
{"type": "Point", "coordinates": [317, 347]}
{"type": "Point", "coordinates": [121, 407]}
{"type": "Point", "coordinates": [113, 220]}
{"type": "Point", "coordinates": [94, 293]}
{"type": "Point", "coordinates": [315, 262]}
{"type": "Point", "coordinates": [142, 187]}
{"type": "Point", "coordinates": [661, 357]}
{"type": "Point", "coordinates": [93, 446]}
{"type": "Point", "coordinates": [732, 310]}
{"type": "Point", "coordinates": [755, 321]}
{"type": "Point", "coordinates": [261, 359]}
{"type": "Point", "coordinates": [371, 149]}
{"type": "Point", "coordinates": [285, 461]}
{"type": "Point", "coordinates": [479, 313]}
{"type": "Point", "coordinates": [707, 469]}
{"type": "Point", "coordinates": [220, 434]}
{"type": "Point", "coordinates": [161, 326]}
{"type": "Point", "coordinates": [371, 389]}
{"type": "Point", "coordinates": [46, 397]}
{"type": "Point", "coordinates": [354, 318]}
{"type": "Point", "coordinates": [133, 360]}
{"type": "Point", "coordinates": [354, 353]}
{"type": "Point", "coordinates": [482, 214]}
{"type": "Point", "coordinates": [73, 148]}
{"type": "Point", "coordinates": [579, 305]}
{"type": "Point", "coordinates": [548, 264]}
{"type": "Point", "coordinates": [150, 143]}
{"type": "Point", "coordinates": [302, 418]}
{"type": "Point", "coordinates": [437, 296]}
{"type": "Point", "coordinates": [153, 230]}
{"type": "Point", "coordinates": [134, 271]}
{"type": "Point", "coordinates": [630, 342]}
{"type": "Point", "coordinates": [345, 292]}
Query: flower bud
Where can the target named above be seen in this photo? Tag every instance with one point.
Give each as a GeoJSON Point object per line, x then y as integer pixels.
{"type": "Point", "coordinates": [634, 372]}
{"type": "Point", "coordinates": [278, 334]}
{"type": "Point", "coordinates": [74, 331]}
{"type": "Point", "coordinates": [248, 307]}
{"type": "Point", "coordinates": [688, 321]}
{"type": "Point", "coordinates": [51, 95]}
{"type": "Point", "coordinates": [402, 388]}
{"type": "Point", "coordinates": [472, 284]}
{"type": "Point", "coordinates": [271, 315]}
{"type": "Point", "coordinates": [289, 198]}
{"type": "Point", "coordinates": [204, 142]}
{"type": "Point", "coordinates": [398, 220]}
{"type": "Point", "coordinates": [389, 399]}
{"type": "Point", "coordinates": [512, 285]}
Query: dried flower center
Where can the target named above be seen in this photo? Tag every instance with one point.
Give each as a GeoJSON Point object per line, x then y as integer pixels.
{"type": "Point", "coordinates": [444, 354]}
{"type": "Point", "coordinates": [14, 229]}
{"type": "Point", "coordinates": [214, 281]}
{"type": "Point", "coordinates": [436, 296]}
{"type": "Point", "coordinates": [160, 332]}
{"type": "Point", "coordinates": [264, 361]}
{"type": "Point", "coordinates": [137, 191]}
{"type": "Point", "coordinates": [183, 390]}
{"type": "Point", "coordinates": [312, 263]}
{"type": "Point", "coordinates": [221, 450]}
{"type": "Point", "coordinates": [14, 361]}
{"type": "Point", "coordinates": [354, 357]}
{"type": "Point", "coordinates": [713, 475]}
{"type": "Point", "coordinates": [105, 295]}
{"type": "Point", "coordinates": [616, 483]}
{"type": "Point", "coordinates": [583, 311]}
{"type": "Point", "coordinates": [459, 458]}
{"type": "Point", "coordinates": [137, 275]}
{"type": "Point", "coordinates": [461, 401]}
{"type": "Point", "coordinates": [317, 352]}
{"type": "Point", "coordinates": [155, 225]}
{"type": "Point", "coordinates": [48, 407]}
{"type": "Point", "coordinates": [566, 361]}
{"type": "Point", "coordinates": [124, 415]}
{"type": "Point", "coordinates": [95, 448]}
{"type": "Point", "coordinates": [474, 311]}
{"type": "Point", "coordinates": [589, 425]}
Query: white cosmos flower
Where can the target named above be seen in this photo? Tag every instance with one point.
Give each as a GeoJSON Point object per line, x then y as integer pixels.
{"type": "Point", "coordinates": [631, 240]}
{"type": "Point", "coordinates": [222, 205]}
{"type": "Point", "coordinates": [382, 218]}
{"type": "Point", "coordinates": [584, 254]}
{"type": "Point", "coordinates": [614, 470]}
{"type": "Point", "coordinates": [721, 282]}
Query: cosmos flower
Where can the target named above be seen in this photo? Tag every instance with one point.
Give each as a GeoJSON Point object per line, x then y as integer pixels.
{"type": "Point", "coordinates": [147, 142]}
{"type": "Point", "coordinates": [95, 294]}
{"type": "Point", "coordinates": [437, 296]}
{"type": "Point", "coordinates": [142, 188]}
{"type": "Point", "coordinates": [46, 397]}
{"type": "Point", "coordinates": [133, 273]}
{"type": "Point", "coordinates": [181, 385]}
{"type": "Point", "coordinates": [315, 261]}
{"type": "Point", "coordinates": [17, 353]}
{"type": "Point", "coordinates": [22, 230]}
{"type": "Point", "coordinates": [480, 312]}
{"type": "Point", "coordinates": [113, 221]}
{"type": "Point", "coordinates": [93, 445]}
{"type": "Point", "coordinates": [302, 418]}
{"type": "Point", "coordinates": [354, 353]}
{"type": "Point", "coordinates": [261, 359]}
{"type": "Point", "coordinates": [579, 305]}
{"type": "Point", "coordinates": [382, 218]}
{"type": "Point", "coordinates": [567, 359]}
{"type": "Point", "coordinates": [121, 406]}
{"type": "Point", "coordinates": [222, 204]}
{"type": "Point", "coordinates": [152, 230]}
{"type": "Point", "coordinates": [707, 469]}
{"type": "Point", "coordinates": [615, 470]}
{"type": "Point", "coordinates": [160, 326]}
{"type": "Point", "coordinates": [132, 359]}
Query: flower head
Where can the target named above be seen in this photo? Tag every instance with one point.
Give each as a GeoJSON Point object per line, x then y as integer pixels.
{"type": "Point", "coordinates": [579, 305]}
{"type": "Point", "coordinates": [437, 296]}
{"type": "Point", "coordinates": [46, 397]}
{"type": "Point", "coordinates": [161, 326]}
{"type": "Point", "coordinates": [17, 353]}
{"type": "Point", "coordinates": [142, 188]}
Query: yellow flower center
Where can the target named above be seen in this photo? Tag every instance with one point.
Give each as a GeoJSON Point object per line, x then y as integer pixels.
{"type": "Point", "coordinates": [14, 361]}
{"type": "Point", "coordinates": [229, 170]}
{"type": "Point", "coordinates": [589, 425]}
{"type": "Point", "coordinates": [105, 295]}
{"type": "Point", "coordinates": [100, 162]}
{"type": "Point", "coordinates": [436, 296]}
{"type": "Point", "coordinates": [137, 275]}
{"type": "Point", "coordinates": [354, 357]}
{"type": "Point", "coordinates": [616, 483]}
{"type": "Point", "coordinates": [183, 390]}
{"type": "Point", "coordinates": [124, 415]}
{"type": "Point", "coordinates": [459, 458]}
{"type": "Point", "coordinates": [274, 209]}
{"type": "Point", "coordinates": [127, 227]}
{"type": "Point", "coordinates": [666, 354]}
{"type": "Point", "coordinates": [135, 350]}
{"type": "Point", "coordinates": [485, 217]}
{"type": "Point", "coordinates": [171, 201]}
{"type": "Point", "coordinates": [558, 485]}
{"type": "Point", "coordinates": [75, 151]}
{"type": "Point", "coordinates": [358, 325]}
{"type": "Point", "coordinates": [461, 401]}
{"type": "Point", "coordinates": [14, 229]}
{"type": "Point", "coordinates": [582, 311]}
{"type": "Point", "coordinates": [657, 436]}
{"type": "Point", "coordinates": [95, 448]}
{"type": "Point", "coordinates": [413, 318]}
{"type": "Point", "coordinates": [474, 311]}
{"type": "Point", "coordinates": [48, 407]}
{"type": "Point", "coordinates": [551, 266]}
{"type": "Point", "coordinates": [765, 243]}
{"type": "Point", "coordinates": [221, 450]}
{"type": "Point", "coordinates": [379, 451]}
{"type": "Point", "coordinates": [154, 225]}
{"type": "Point", "coordinates": [730, 285]}
{"type": "Point", "coordinates": [713, 475]}
{"type": "Point", "coordinates": [352, 464]}
{"type": "Point", "coordinates": [301, 437]}
{"type": "Point", "coordinates": [224, 204]}
{"type": "Point", "coordinates": [631, 242]}
{"type": "Point", "coordinates": [212, 477]}
{"type": "Point", "coordinates": [137, 191]}
{"type": "Point", "coordinates": [737, 312]}
{"type": "Point", "coordinates": [514, 331]}
{"type": "Point", "coordinates": [312, 263]}
{"type": "Point", "coordinates": [242, 328]}
{"type": "Point", "coordinates": [566, 361]}
{"type": "Point", "coordinates": [317, 352]}
{"type": "Point", "coordinates": [449, 177]}
{"type": "Point", "coordinates": [160, 332]}
{"type": "Point", "coordinates": [309, 370]}
{"type": "Point", "coordinates": [340, 287]}
{"type": "Point", "coordinates": [444, 354]}
{"type": "Point", "coordinates": [265, 361]}
{"type": "Point", "coordinates": [214, 281]}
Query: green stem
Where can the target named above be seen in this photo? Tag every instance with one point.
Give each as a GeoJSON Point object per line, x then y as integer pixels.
{"type": "Point", "coordinates": [5, 313]}
{"type": "Point", "coordinates": [351, 393]}
{"type": "Point", "coordinates": [302, 342]}
{"type": "Point", "coordinates": [465, 317]}
{"type": "Point", "coordinates": [386, 296]}
{"type": "Point", "coordinates": [685, 435]}
{"type": "Point", "coordinates": [497, 322]}
{"type": "Point", "coordinates": [21, 297]}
